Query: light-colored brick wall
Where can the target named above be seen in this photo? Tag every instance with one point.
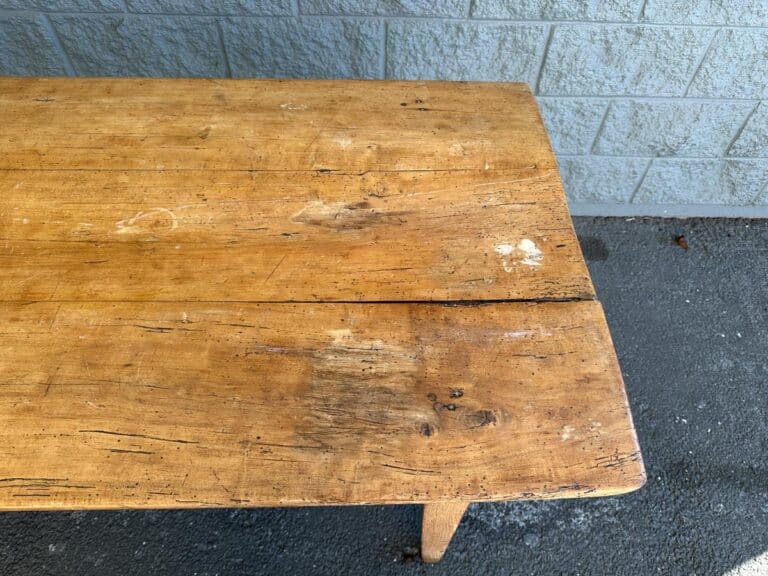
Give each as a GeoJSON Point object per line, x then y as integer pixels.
{"type": "Point", "coordinates": [652, 105]}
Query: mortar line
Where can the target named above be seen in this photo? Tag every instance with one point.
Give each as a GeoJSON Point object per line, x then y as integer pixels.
{"type": "Point", "coordinates": [470, 9]}
{"type": "Point", "coordinates": [701, 62]}
{"type": "Point", "coordinates": [68, 66]}
{"type": "Point", "coordinates": [759, 194]}
{"type": "Point", "coordinates": [383, 48]}
{"type": "Point", "coordinates": [641, 98]}
{"type": "Point", "coordinates": [664, 158]}
{"type": "Point", "coordinates": [600, 128]}
{"type": "Point", "coordinates": [640, 182]}
{"type": "Point", "coordinates": [741, 129]}
{"type": "Point", "coordinates": [223, 49]}
{"type": "Point", "coordinates": [531, 22]}
{"type": "Point", "coordinates": [543, 60]}
{"type": "Point", "coordinates": [639, 15]}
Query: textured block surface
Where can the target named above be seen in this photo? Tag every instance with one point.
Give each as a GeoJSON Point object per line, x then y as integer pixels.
{"type": "Point", "coordinates": [287, 48]}
{"type": "Point", "coordinates": [56, 5]}
{"type": "Point", "coordinates": [753, 140]}
{"type": "Point", "coordinates": [204, 7]}
{"type": "Point", "coordinates": [600, 179]}
{"type": "Point", "coordinates": [710, 181]}
{"type": "Point", "coordinates": [572, 123]}
{"type": "Point", "coordinates": [670, 128]}
{"type": "Point", "coordinates": [727, 12]}
{"type": "Point", "coordinates": [736, 66]}
{"type": "Point", "coordinates": [140, 45]}
{"type": "Point", "coordinates": [615, 10]}
{"type": "Point", "coordinates": [455, 8]}
{"type": "Point", "coordinates": [27, 47]}
{"type": "Point", "coordinates": [495, 52]}
{"type": "Point", "coordinates": [622, 60]}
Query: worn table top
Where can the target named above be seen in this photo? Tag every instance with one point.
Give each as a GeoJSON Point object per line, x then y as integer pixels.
{"type": "Point", "coordinates": [247, 293]}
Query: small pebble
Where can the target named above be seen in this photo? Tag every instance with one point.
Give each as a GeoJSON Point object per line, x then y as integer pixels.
{"type": "Point", "coordinates": [531, 540]}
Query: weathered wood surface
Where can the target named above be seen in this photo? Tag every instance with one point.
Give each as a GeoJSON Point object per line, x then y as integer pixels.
{"type": "Point", "coordinates": [238, 236]}
{"type": "Point", "coordinates": [198, 190]}
{"type": "Point", "coordinates": [275, 125]}
{"type": "Point", "coordinates": [152, 233]}
{"type": "Point", "coordinates": [122, 405]}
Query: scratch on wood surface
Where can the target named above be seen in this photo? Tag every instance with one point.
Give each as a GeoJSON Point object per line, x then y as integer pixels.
{"type": "Point", "coordinates": [346, 215]}
{"type": "Point", "coordinates": [158, 218]}
{"type": "Point", "coordinates": [135, 435]}
{"type": "Point", "coordinates": [280, 262]}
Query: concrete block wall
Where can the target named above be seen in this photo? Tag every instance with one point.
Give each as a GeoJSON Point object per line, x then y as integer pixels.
{"type": "Point", "coordinates": [653, 106]}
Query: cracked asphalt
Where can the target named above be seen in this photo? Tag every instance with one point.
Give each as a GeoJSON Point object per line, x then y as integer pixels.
{"type": "Point", "coordinates": [691, 331]}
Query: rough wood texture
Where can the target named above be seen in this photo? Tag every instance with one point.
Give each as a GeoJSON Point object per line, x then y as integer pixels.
{"type": "Point", "coordinates": [438, 524]}
{"type": "Point", "coordinates": [169, 405]}
{"type": "Point", "coordinates": [152, 233]}
{"type": "Point", "coordinates": [202, 190]}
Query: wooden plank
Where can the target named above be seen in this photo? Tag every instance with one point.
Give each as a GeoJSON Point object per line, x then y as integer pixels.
{"type": "Point", "coordinates": [287, 236]}
{"type": "Point", "coordinates": [133, 405]}
{"type": "Point", "coordinates": [348, 126]}
{"type": "Point", "coordinates": [438, 524]}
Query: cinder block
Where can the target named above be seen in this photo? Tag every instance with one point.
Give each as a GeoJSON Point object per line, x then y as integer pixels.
{"type": "Point", "coordinates": [607, 10]}
{"type": "Point", "coordinates": [306, 48]}
{"type": "Point", "coordinates": [753, 140]}
{"type": "Point", "coordinates": [141, 45]}
{"type": "Point", "coordinates": [420, 49]}
{"type": "Point", "coordinates": [27, 49]}
{"type": "Point", "coordinates": [620, 60]}
{"type": "Point", "coordinates": [735, 67]}
{"type": "Point", "coordinates": [728, 12]}
{"type": "Point", "coordinates": [670, 128]}
{"type": "Point", "coordinates": [448, 8]}
{"type": "Point", "coordinates": [710, 181]}
{"type": "Point", "coordinates": [600, 179]}
{"type": "Point", "coordinates": [63, 5]}
{"type": "Point", "coordinates": [207, 7]}
{"type": "Point", "coordinates": [572, 123]}
{"type": "Point", "coordinates": [762, 198]}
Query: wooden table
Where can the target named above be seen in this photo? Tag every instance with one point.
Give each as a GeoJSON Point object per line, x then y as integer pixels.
{"type": "Point", "coordinates": [221, 293]}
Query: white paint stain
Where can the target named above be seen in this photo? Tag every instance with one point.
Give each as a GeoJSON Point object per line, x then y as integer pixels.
{"type": "Point", "coordinates": [533, 255]}
{"type": "Point", "coordinates": [567, 433]}
{"type": "Point", "coordinates": [519, 334]}
{"type": "Point", "coordinates": [524, 252]}
{"type": "Point", "coordinates": [132, 226]}
{"type": "Point", "coordinates": [291, 106]}
{"type": "Point", "coordinates": [344, 142]}
{"type": "Point", "coordinates": [526, 333]}
{"type": "Point", "coordinates": [340, 336]}
{"type": "Point", "coordinates": [457, 149]}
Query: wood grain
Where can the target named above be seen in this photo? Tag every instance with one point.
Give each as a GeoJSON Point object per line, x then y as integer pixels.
{"type": "Point", "coordinates": [349, 126]}
{"type": "Point", "coordinates": [241, 236]}
{"type": "Point", "coordinates": [267, 293]}
{"type": "Point", "coordinates": [129, 405]}
{"type": "Point", "coordinates": [207, 190]}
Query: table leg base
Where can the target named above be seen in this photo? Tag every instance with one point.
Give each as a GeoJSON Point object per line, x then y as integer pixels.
{"type": "Point", "coordinates": [439, 522]}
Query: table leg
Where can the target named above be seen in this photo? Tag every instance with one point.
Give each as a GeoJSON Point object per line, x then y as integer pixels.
{"type": "Point", "coordinates": [439, 522]}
